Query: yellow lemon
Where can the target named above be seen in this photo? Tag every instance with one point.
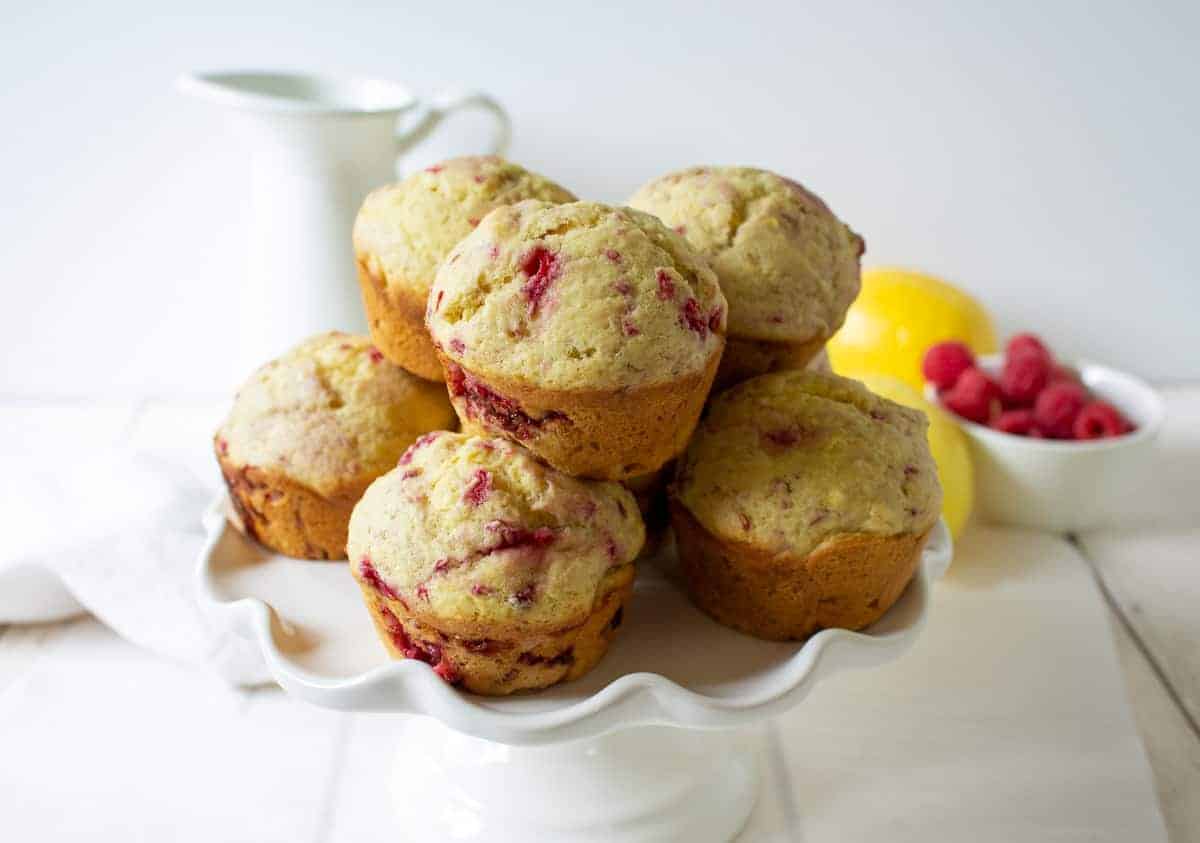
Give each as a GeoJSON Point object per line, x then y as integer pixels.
{"type": "Point", "coordinates": [948, 444]}
{"type": "Point", "coordinates": [897, 316]}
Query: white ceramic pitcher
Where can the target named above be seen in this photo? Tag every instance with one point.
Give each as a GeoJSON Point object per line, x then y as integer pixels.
{"type": "Point", "coordinates": [317, 145]}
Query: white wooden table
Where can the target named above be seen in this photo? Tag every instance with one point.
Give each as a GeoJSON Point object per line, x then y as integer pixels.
{"type": "Point", "coordinates": [101, 740]}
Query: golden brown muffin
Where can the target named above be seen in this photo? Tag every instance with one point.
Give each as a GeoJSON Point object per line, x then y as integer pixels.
{"type": "Point", "coordinates": [803, 502]}
{"type": "Point", "coordinates": [404, 230]}
{"type": "Point", "coordinates": [309, 432]}
{"type": "Point", "coordinates": [497, 570]}
{"type": "Point", "coordinates": [589, 334]}
{"type": "Point", "coordinates": [788, 267]}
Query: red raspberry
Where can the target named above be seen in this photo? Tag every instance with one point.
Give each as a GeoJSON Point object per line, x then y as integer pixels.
{"type": "Point", "coordinates": [542, 267]}
{"type": "Point", "coordinates": [1017, 422]}
{"type": "Point", "coordinates": [666, 285]}
{"type": "Point", "coordinates": [1063, 373]}
{"type": "Point", "coordinates": [480, 487]}
{"type": "Point", "coordinates": [974, 396]}
{"type": "Point", "coordinates": [944, 362]}
{"type": "Point", "coordinates": [691, 318]}
{"type": "Point", "coordinates": [1023, 343]}
{"type": "Point", "coordinates": [1024, 375]}
{"type": "Point", "coordinates": [1100, 420]}
{"type": "Point", "coordinates": [1056, 408]}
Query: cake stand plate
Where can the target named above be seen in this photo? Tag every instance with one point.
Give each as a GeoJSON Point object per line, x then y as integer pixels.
{"type": "Point", "coordinates": [660, 741]}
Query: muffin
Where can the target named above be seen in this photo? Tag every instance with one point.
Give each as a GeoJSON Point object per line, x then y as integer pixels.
{"type": "Point", "coordinates": [404, 230]}
{"type": "Point", "coordinates": [803, 503]}
{"type": "Point", "coordinates": [787, 265]}
{"type": "Point", "coordinates": [502, 573]}
{"type": "Point", "coordinates": [309, 432]}
{"type": "Point", "coordinates": [587, 333]}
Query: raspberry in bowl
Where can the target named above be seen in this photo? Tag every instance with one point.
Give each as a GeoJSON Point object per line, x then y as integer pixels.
{"type": "Point", "coordinates": [1052, 443]}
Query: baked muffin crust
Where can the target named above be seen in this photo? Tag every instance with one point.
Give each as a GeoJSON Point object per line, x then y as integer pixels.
{"type": "Point", "coordinates": [405, 230]}
{"type": "Point", "coordinates": [788, 267]}
{"type": "Point", "coordinates": [477, 536]}
{"type": "Point", "coordinates": [330, 413]}
{"type": "Point", "coordinates": [310, 430]}
{"type": "Point", "coordinates": [578, 296]}
{"type": "Point", "coordinates": [786, 460]}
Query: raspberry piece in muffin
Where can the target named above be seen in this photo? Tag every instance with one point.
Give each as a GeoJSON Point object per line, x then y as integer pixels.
{"type": "Point", "coordinates": [541, 267]}
{"type": "Point", "coordinates": [803, 502]}
{"type": "Point", "coordinates": [309, 432]}
{"type": "Point", "coordinates": [787, 265]}
{"type": "Point", "coordinates": [493, 410]}
{"type": "Point", "coordinates": [405, 230]}
{"type": "Point", "coordinates": [497, 570]}
{"type": "Point", "coordinates": [598, 365]}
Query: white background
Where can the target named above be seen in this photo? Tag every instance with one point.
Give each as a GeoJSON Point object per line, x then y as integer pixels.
{"type": "Point", "coordinates": [1041, 154]}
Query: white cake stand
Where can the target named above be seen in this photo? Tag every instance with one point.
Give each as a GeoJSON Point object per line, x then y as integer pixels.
{"type": "Point", "coordinates": [659, 742]}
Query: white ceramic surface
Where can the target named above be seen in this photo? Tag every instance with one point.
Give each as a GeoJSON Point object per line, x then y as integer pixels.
{"type": "Point", "coordinates": [1065, 486]}
{"type": "Point", "coordinates": [671, 664]}
{"type": "Point", "coordinates": [318, 145]}
{"type": "Point", "coordinates": [641, 784]}
{"type": "Point", "coordinates": [613, 756]}
{"type": "Point", "coordinates": [32, 594]}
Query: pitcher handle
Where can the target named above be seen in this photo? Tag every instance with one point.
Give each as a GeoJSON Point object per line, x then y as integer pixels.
{"type": "Point", "coordinates": [428, 116]}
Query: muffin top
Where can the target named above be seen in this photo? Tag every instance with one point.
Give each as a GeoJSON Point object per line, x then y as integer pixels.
{"type": "Point", "coordinates": [331, 414]}
{"type": "Point", "coordinates": [404, 230]}
{"type": "Point", "coordinates": [477, 530]}
{"type": "Point", "coordinates": [787, 265]}
{"type": "Point", "coordinates": [576, 296]}
{"type": "Point", "coordinates": [785, 460]}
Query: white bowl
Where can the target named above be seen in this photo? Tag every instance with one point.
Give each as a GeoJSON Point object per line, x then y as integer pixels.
{"type": "Point", "coordinates": [1058, 485]}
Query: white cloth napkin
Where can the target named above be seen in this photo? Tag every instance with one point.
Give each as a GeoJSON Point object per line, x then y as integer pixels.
{"type": "Point", "coordinates": [122, 530]}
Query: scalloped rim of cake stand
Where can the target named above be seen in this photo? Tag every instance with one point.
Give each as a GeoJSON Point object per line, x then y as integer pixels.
{"type": "Point", "coordinates": [634, 699]}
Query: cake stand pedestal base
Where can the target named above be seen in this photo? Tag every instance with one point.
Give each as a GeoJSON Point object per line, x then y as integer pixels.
{"type": "Point", "coordinates": [658, 742]}
{"type": "Point", "coordinates": [638, 784]}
